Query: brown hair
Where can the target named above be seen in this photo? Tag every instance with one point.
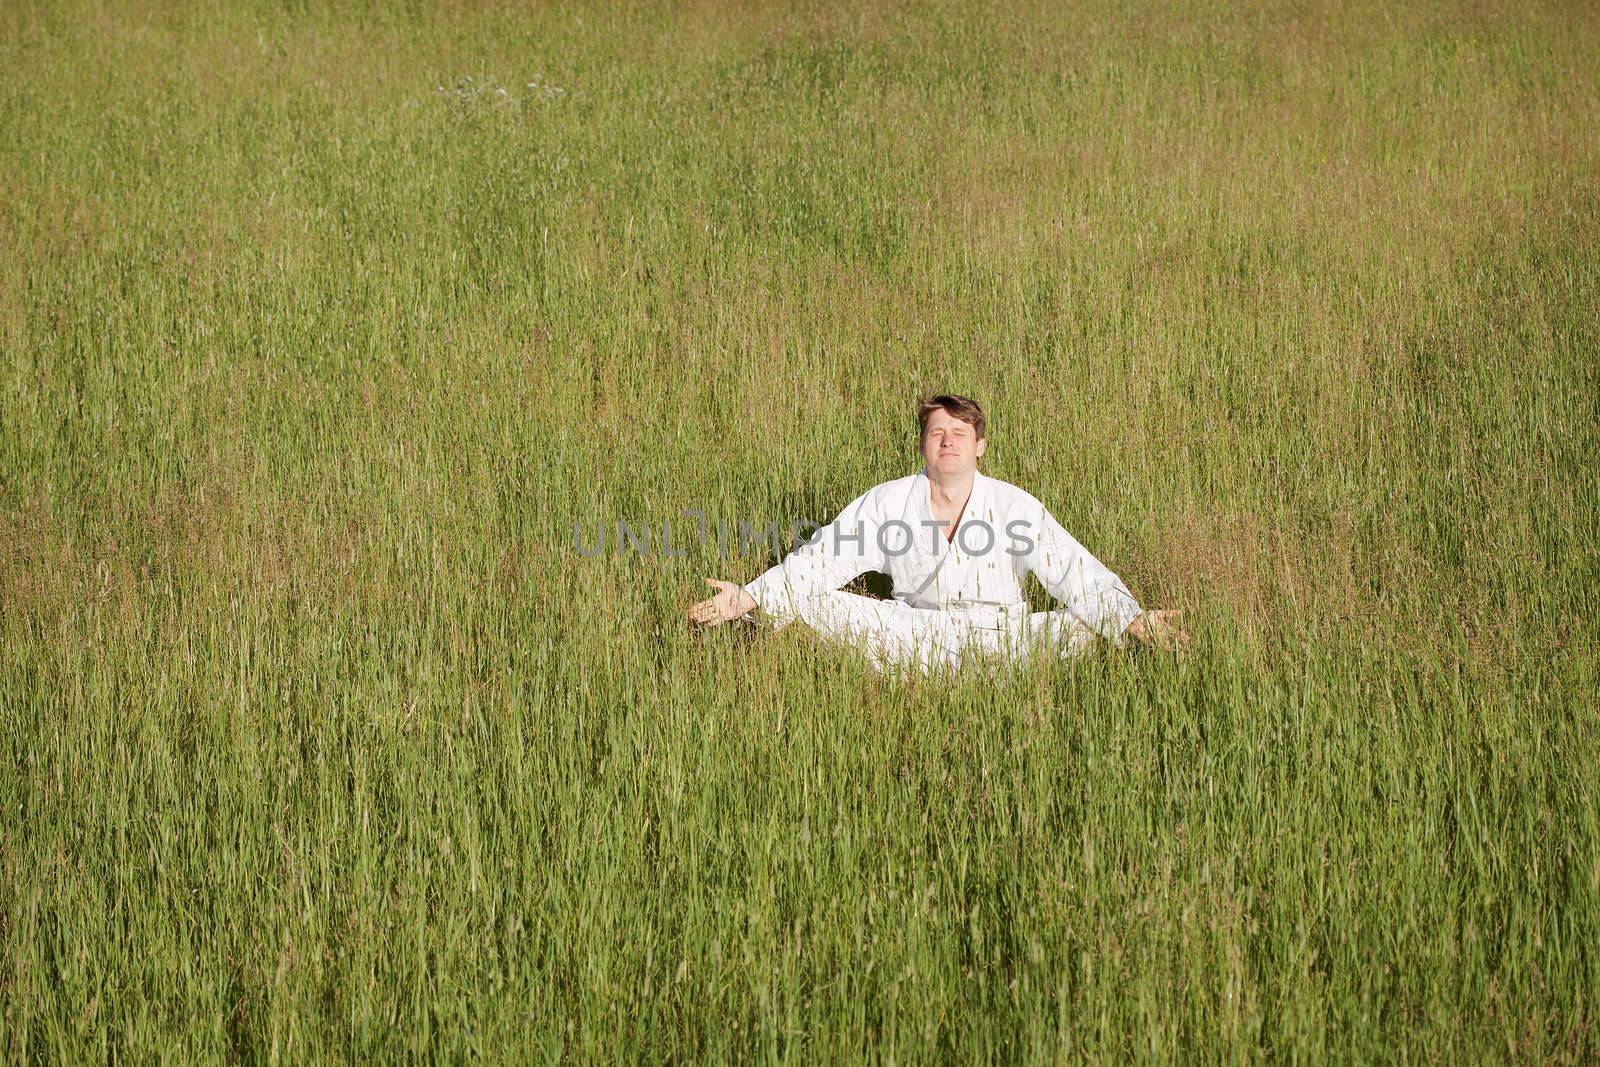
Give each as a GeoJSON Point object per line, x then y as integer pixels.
{"type": "Point", "coordinates": [960, 407]}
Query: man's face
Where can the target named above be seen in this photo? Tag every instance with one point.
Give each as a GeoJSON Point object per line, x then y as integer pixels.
{"type": "Point", "coordinates": [950, 446]}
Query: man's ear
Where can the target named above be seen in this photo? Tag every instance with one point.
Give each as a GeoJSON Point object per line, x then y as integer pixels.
{"type": "Point", "coordinates": [983, 443]}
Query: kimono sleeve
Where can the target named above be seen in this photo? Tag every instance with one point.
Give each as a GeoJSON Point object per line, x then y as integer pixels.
{"type": "Point", "coordinates": [1085, 586]}
{"type": "Point", "coordinates": [846, 547]}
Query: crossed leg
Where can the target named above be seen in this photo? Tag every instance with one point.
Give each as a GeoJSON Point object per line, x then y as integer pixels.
{"type": "Point", "coordinates": [894, 633]}
{"type": "Point", "coordinates": [889, 632]}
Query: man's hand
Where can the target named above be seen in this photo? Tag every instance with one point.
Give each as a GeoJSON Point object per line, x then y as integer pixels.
{"type": "Point", "coordinates": [730, 602]}
{"type": "Point", "coordinates": [1159, 629]}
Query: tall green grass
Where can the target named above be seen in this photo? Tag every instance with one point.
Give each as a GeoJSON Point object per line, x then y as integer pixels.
{"type": "Point", "coordinates": [321, 741]}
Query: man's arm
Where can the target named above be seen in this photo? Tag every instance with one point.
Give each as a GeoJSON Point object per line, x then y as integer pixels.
{"type": "Point", "coordinates": [846, 547]}
{"type": "Point", "coordinates": [1084, 585]}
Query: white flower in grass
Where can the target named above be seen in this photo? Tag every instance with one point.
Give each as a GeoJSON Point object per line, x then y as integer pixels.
{"type": "Point", "coordinates": [544, 89]}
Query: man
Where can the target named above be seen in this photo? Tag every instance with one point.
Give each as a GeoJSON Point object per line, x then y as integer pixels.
{"type": "Point", "coordinates": [957, 545]}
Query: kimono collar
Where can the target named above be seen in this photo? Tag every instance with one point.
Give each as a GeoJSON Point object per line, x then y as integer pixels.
{"type": "Point", "coordinates": [969, 513]}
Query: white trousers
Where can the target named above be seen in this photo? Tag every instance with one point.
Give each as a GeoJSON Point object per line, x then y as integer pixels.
{"type": "Point", "coordinates": [893, 633]}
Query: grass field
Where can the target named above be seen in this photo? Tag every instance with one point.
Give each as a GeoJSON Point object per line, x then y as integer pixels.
{"type": "Point", "coordinates": [322, 326]}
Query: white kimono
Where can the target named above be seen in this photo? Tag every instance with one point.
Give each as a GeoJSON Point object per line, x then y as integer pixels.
{"type": "Point", "coordinates": [948, 596]}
